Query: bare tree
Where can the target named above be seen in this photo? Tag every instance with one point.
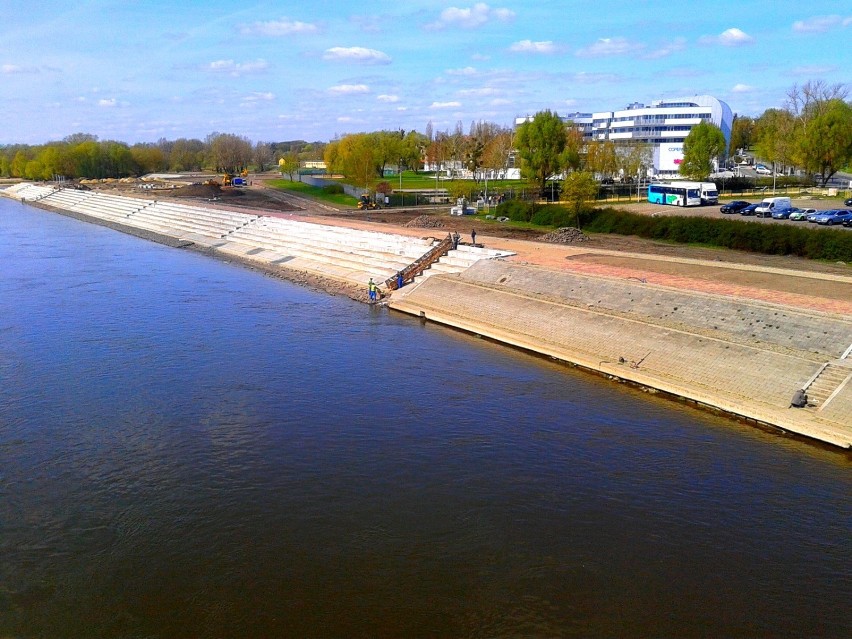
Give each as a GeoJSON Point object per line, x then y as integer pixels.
{"type": "Point", "coordinates": [809, 100]}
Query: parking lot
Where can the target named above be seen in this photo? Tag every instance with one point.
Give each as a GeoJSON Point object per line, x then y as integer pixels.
{"type": "Point", "coordinates": [647, 208]}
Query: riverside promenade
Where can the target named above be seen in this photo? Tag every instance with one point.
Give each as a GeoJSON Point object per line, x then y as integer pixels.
{"type": "Point", "coordinates": [737, 338]}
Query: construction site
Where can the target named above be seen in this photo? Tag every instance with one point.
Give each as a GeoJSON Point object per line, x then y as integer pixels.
{"type": "Point", "coordinates": [731, 332]}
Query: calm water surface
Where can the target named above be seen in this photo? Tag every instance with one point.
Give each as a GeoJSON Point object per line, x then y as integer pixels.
{"type": "Point", "coordinates": [191, 449]}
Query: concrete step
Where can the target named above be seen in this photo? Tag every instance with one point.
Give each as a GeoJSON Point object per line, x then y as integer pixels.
{"type": "Point", "coordinates": [831, 377]}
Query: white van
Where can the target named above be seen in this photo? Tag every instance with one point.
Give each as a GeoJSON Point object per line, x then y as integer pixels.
{"type": "Point", "coordinates": [770, 205]}
{"type": "Point", "coordinates": [709, 193]}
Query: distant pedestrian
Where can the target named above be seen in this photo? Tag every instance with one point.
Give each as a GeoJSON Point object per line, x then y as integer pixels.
{"type": "Point", "coordinates": [373, 290]}
{"type": "Point", "coordinates": [456, 238]}
{"type": "Point", "coordinates": [473, 236]}
{"type": "Point", "coordinates": [800, 399]}
{"type": "Point", "coordinates": [399, 280]}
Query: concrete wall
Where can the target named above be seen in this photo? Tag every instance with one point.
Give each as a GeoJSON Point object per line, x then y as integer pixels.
{"type": "Point", "coordinates": [744, 358]}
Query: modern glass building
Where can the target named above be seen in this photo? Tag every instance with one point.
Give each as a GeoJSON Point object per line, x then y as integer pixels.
{"type": "Point", "coordinates": [663, 125]}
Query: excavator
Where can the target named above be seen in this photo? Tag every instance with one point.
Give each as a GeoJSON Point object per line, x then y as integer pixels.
{"type": "Point", "coordinates": [228, 179]}
{"type": "Point", "coordinates": [366, 204]}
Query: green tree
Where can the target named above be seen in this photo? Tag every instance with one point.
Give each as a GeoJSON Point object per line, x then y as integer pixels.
{"type": "Point", "coordinates": [540, 143]}
{"type": "Point", "coordinates": [775, 136]}
{"type": "Point", "coordinates": [186, 155]}
{"type": "Point", "coordinates": [412, 148]}
{"type": "Point", "coordinates": [228, 152]}
{"type": "Point", "coordinates": [825, 145]}
{"type": "Point", "coordinates": [289, 164]}
{"type": "Point", "coordinates": [498, 151]}
{"type": "Point", "coordinates": [742, 133]}
{"type": "Point", "coordinates": [572, 158]}
{"type": "Point", "coordinates": [262, 156]}
{"type": "Point", "coordinates": [601, 158]}
{"type": "Point", "coordinates": [19, 163]}
{"type": "Point", "coordinates": [34, 170]}
{"type": "Point", "coordinates": [704, 143]}
{"type": "Point", "coordinates": [148, 158]}
{"type": "Point", "coordinates": [578, 187]}
{"type": "Point", "coordinates": [634, 159]}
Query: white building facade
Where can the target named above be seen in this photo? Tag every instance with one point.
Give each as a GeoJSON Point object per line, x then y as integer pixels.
{"type": "Point", "coordinates": [663, 126]}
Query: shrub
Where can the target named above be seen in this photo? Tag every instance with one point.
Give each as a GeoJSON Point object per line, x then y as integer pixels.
{"type": "Point", "coordinates": [773, 239]}
{"type": "Point", "coordinates": [333, 189]}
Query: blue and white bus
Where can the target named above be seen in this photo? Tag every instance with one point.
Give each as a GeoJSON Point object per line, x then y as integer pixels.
{"type": "Point", "coordinates": [682, 193]}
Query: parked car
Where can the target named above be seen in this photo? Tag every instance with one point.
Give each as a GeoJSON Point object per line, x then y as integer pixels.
{"type": "Point", "coordinates": [734, 207]}
{"type": "Point", "coordinates": [749, 210]}
{"type": "Point", "coordinates": [847, 202]}
{"type": "Point", "coordinates": [800, 215]}
{"type": "Point", "coordinates": [811, 216]}
{"type": "Point", "coordinates": [834, 216]}
{"type": "Point", "coordinates": [762, 170]}
{"type": "Point", "coordinates": [783, 214]}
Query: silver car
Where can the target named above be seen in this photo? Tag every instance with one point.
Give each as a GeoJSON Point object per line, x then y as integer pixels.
{"type": "Point", "coordinates": [800, 215]}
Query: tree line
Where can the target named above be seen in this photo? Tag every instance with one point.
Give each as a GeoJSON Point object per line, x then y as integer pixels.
{"type": "Point", "coordinates": [364, 157]}
{"type": "Point", "coordinates": [82, 155]}
{"type": "Point", "coordinates": [812, 131]}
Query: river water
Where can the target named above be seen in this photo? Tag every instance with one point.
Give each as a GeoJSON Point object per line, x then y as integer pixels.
{"type": "Point", "coordinates": [189, 448]}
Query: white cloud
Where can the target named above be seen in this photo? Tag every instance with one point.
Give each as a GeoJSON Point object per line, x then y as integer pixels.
{"type": "Point", "coordinates": [678, 44]}
{"type": "Point", "coordinates": [349, 89]}
{"type": "Point", "coordinates": [387, 98]}
{"type": "Point", "coordinates": [742, 88]}
{"type": "Point", "coordinates": [256, 97]}
{"type": "Point", "coordinates": [445, 105]}
{"type": "Point", "coordinates": [813, 70]}
{"type": "Point", "coordinates": [107, 103]}
{"type": "Point", "coordinates": [472, 17]}
{"type": "Point", "coordinates": [499, 102]}
{"type": "Point", "coordinates": [821, 24]}
{"type": "Point", "coordinates": [528, 46]}
{"type": "Point", "coordinates": [609, 46]}
{"type": "Point", "coordinates": [464, 71]}
{"type": "Point", "coordinates": [483, 92]}
{"type": "Point", "coordinates": [237, 69]}
{"type": "Point", "coordinates": [360, 55]}
{"type": "Point", "coordinates": [593, 78]}
{"type": "Point", "coordinates": [732, 37]}
{"type": "Point", "coordinates": [277, 28]}
{"type": "Point", "coordinates": [14, 68]}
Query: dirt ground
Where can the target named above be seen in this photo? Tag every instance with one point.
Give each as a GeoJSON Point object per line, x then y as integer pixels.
{"type": "Point", "coordinates": [786, 280]}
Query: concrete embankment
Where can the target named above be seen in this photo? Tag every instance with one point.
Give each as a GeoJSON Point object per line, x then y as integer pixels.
{"type": "Point", "coordinates": [743, 357]}
{"type": "Point", "coordinates": [740, 355]}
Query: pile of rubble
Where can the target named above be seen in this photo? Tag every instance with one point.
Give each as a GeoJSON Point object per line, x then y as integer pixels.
{"type": "Point", "coordinates": [565, 235]}
{"type": "Point", "coordinates": [425, 222]}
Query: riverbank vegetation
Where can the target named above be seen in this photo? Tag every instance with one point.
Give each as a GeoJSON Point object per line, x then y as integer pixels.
{"type": "Point", "coordinates": [85, 156]}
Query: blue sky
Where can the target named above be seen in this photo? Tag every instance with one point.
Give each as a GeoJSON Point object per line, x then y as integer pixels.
{"type": "Point", "coordinates": [274, 71]}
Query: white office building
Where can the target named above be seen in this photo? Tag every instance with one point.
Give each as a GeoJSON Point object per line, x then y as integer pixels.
{"type": "Point", "coordinates": [663, 125]}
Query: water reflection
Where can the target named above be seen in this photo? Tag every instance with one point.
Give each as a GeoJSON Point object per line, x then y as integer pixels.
{"type": "Point", "coordinates": [188, 448]}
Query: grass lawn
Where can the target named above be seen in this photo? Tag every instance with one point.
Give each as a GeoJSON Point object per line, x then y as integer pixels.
{"type": "Point", "coordinates": [412, 180]}
{"type": "Point", "coordinates": [314, 192]}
